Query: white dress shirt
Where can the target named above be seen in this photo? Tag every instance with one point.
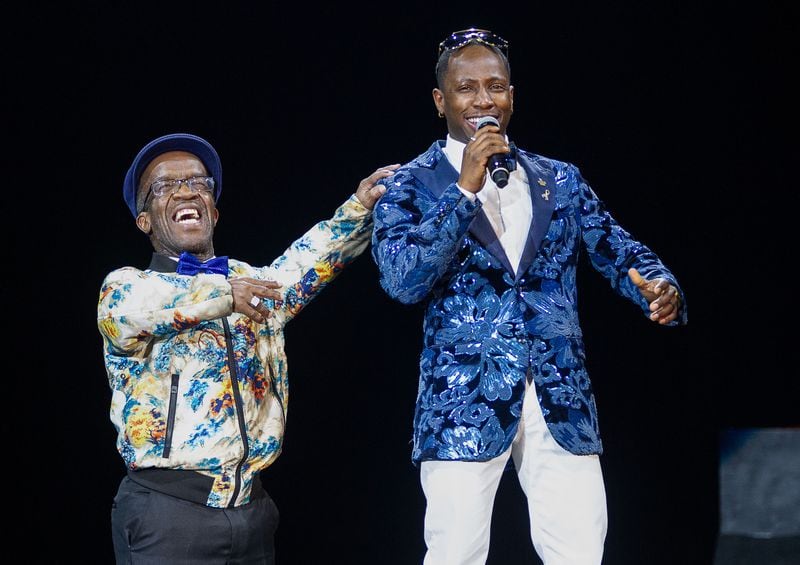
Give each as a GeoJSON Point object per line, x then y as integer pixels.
{"type": "Point", "coordinates": [509, 208]}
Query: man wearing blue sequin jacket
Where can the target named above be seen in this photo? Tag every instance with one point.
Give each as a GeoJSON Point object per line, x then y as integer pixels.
{"type": "Point", "coordinates": [502, 367]}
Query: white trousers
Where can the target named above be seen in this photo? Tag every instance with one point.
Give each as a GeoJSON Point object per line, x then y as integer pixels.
{"type": "Point", "coordinates": [565, 493]}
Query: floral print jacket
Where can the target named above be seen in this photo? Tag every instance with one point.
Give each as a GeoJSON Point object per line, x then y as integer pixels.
{"type": "Point", "coordinates": [201, 390]}
{"type": "Point", "coordinates": [486, 330]}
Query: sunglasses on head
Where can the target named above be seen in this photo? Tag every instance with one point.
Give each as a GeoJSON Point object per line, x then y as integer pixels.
{"type": "Point", "coordinates": [460, 38]}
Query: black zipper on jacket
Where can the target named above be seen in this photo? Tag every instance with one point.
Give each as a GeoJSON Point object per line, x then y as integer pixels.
{"type": "Point", "coordinates": [275, 391]}
{"type": "Point", "coordinates": [239, 406]}
{"type": "Point", "coordinates": [173, 405]}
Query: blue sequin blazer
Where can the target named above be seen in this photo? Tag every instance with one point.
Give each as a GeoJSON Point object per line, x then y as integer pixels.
{"type": "Point", "coordinates": [487, 330]}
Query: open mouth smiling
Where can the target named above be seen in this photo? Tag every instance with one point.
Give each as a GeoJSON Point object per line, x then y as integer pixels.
{"type": "Point", "coordinates": [186, 216]}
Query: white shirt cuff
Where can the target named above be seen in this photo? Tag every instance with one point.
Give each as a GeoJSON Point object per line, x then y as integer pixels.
{"type": "Point", "coordinates": [471, 195]}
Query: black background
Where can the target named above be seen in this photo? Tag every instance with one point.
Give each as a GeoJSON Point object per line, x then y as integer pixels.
{"type": "Point", "coordinates": [678, 114]}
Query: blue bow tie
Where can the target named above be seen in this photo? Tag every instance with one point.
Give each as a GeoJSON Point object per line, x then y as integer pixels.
{"type": "Point", "coordinates": [188, 264]}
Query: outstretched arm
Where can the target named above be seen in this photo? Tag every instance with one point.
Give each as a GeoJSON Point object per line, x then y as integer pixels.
{"type": "Point", "coordinates": [317, 257]}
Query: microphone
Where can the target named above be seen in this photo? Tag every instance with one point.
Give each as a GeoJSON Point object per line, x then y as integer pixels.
{"type": "Point", "coordinates": [498, 169]}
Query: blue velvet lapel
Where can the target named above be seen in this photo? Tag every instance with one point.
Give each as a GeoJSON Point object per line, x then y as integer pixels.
{"type": "Point", "coordinates": [542, 185]}
{"type": "Point", "coordinates": [437, 176]}
{"type": "Point", "coordinates": [435, 171]}
{"type": "Point", "coordinates": [483, 231]}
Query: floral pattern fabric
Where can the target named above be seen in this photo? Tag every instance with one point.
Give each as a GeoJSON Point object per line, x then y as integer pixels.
{"type": "Point", "coordinates": [487, 330]}
{"type": "Point", "coordinates": [198, 387]}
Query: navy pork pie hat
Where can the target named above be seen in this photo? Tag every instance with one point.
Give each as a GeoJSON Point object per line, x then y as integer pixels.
{"type": "Point", "coordinates": [171, 142]}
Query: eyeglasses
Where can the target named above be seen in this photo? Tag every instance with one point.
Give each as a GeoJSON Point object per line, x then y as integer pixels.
{"type": "Point", "coordinates": [458, 39]}
{"type": "Point", "coordinates": [167, 187]}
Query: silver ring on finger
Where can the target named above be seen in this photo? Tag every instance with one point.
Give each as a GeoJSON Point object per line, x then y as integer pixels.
{"type": "Point", "coordinates": [255, 301]}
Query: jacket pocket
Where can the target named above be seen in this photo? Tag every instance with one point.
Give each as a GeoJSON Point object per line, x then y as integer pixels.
{"type": "Point", "coordinates": [173, 406]}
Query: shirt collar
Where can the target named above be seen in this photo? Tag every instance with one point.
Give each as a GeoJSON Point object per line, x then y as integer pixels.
{"type": "Point", "coordinates": [454, 151]}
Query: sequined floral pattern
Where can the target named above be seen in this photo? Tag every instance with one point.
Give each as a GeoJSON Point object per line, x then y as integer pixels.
{"type": "Point", "coordinates": [486, 330]}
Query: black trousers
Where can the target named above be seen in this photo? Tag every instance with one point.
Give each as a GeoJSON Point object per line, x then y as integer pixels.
{"type": "Point", "coordinates": [152, 528]}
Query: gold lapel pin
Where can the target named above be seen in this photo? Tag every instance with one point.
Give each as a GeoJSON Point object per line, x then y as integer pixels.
{"type": "Point", "coordinates": [541, 182]}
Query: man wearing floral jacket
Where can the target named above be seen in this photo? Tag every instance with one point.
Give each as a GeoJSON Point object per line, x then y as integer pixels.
{"type": "Point", "coordinates": [194, 351]}
{"type": "Point", "coordinates": [502, 368]}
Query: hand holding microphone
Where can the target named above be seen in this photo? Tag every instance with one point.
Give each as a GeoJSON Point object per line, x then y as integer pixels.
{"type": "Point", "coordinates": [498, 169]}
{"type": "Point", "coordinates": [487, 151]}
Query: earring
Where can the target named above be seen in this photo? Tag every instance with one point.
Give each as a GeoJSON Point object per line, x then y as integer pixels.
{"type": "Point", "coordinates": [441, 115]}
